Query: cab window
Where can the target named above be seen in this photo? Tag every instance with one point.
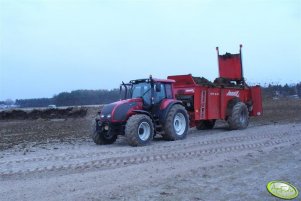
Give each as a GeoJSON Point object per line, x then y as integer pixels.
{"type": "Point", "coordinates": [168, 89]}
{"type": "Point", "coordinates": [160, 95]}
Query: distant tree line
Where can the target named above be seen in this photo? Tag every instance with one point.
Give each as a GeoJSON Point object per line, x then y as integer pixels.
{"type": "Point", "coordinates": [73, 98]}
{"type": "Point", "coordinates": [95, 97]}
{"type": "Point", "coordinates": [279, 91]}
{"type": "Point", "coordinates": [34, 102]}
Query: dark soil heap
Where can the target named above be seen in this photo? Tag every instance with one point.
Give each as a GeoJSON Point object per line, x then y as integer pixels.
{"type": "Point", "coordinates": [57, 113]}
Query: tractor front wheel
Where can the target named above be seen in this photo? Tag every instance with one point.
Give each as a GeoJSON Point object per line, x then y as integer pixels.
{"type": "Point", "coordinates": [103, 137]}
{"type": "Point", "coordinates": [176, 123]}
{"type": "Point", "coordinates": [139, 130]}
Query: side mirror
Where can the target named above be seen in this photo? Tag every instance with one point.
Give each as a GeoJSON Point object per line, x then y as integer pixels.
{"type": "Point", "coordinates": [158, 87]}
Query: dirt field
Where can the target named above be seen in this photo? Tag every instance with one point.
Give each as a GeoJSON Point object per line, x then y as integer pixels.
{"type": "Point", "coordinates": [56, 160]}
{"type": "Point", "coordinates": [57, 127]}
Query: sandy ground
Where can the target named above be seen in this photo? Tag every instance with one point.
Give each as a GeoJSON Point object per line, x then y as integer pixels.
{"type": "Point", "coordinates": [208, 165]}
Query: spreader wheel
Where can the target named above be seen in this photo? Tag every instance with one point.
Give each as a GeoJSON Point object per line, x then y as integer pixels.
{"type": "Point", "coordinates": [239, 117]}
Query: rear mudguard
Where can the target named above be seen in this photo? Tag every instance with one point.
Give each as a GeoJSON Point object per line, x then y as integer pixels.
{"type": "Point", "coordinates": [146, 113]}
{"type": "Point", "coordinates": [165, 108]}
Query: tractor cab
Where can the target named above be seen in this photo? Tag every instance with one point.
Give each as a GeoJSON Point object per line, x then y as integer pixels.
{"type": "Point", "coordinates": [152, 91]}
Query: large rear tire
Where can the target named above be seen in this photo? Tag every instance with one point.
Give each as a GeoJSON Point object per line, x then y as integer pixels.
{"type": "Point", "coordinates": [103, 137]}
{"type": "Point", "coordinates": [206, 124]}
{"type": "Point", "coordinates": [139, 130]}
{"type": "Point", "coordinates": [239, 117]}
{"type": "Point", "coordinates": [176, 123]}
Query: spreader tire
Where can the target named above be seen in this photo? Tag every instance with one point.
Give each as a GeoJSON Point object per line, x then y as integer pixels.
{"type": "Point", "coordinates": [239, 117]}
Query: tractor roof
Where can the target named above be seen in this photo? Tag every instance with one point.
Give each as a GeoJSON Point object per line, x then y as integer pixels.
{"type": "Point", "coordinates": [154, 79]}
{"type": "Point", "coordinates": [164, 80]}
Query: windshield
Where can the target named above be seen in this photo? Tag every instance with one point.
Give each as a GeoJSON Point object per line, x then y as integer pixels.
{"type": "Point", "coordinates": [141, 90]}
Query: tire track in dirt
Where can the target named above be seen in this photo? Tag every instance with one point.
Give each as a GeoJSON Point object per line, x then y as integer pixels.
{"type": "Point", "coordinates": [118, 162]}
{"type": "Point", "coordinates": [146, 149]}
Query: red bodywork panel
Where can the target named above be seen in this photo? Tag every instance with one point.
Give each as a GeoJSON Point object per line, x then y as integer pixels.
{"type": "Point", "coordinates": [230, 65]}
{"type": "Point", "coordinates": [130, 112]}
{"type": "Point", "coordinates": [165, 103]}
{"type": "Point", "coordinates": [257, 101]}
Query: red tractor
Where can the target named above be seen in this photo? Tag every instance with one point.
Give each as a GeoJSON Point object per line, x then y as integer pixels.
{"type": "Point", "coordinates": [148, 107]}
{"type": "Point", "coordinates": [169, 106]}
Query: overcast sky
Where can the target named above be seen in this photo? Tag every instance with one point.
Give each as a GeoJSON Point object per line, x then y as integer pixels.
{"type": "Point", "coordinates": [51, 46]}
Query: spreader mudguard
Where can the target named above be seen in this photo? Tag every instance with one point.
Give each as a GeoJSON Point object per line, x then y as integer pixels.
{"type": "Point", "coordinates": [256, 100]}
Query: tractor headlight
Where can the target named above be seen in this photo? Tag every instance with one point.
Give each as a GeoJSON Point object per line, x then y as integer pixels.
{"type": "Point", "coordinates": [106, 127]}
{"type": "Point", "coordinates": [102, 116]}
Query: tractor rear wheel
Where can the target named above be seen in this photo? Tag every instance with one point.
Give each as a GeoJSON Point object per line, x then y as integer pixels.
{"type": "Point", "coordinates": [139, 130]}
{"type": "Point", "coordinates": [206, 124]}
{"type": "Point", "coordinates": [239, 117]}
{"type": "Point", "coordinates": [176, 123]}
{"type": "Point", "coordinates": [103, 137]}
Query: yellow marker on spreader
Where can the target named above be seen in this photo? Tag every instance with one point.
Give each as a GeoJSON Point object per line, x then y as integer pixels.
{"type": "Point", "coordinates": [282, 190]}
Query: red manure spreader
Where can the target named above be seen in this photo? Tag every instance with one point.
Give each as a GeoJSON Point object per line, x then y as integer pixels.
{"type": "Point", "coordinates": [170, 106]}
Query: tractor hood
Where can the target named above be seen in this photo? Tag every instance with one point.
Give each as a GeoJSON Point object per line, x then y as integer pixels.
{"type": "Point", "coordinates": [120, 110]}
